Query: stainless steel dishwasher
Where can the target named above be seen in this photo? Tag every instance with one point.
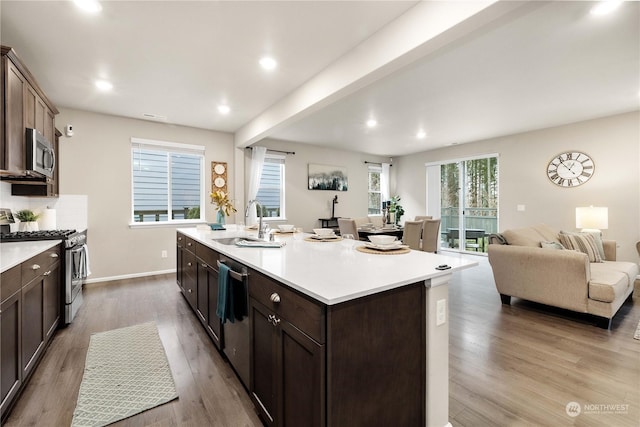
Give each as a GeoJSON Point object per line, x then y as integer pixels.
{"type": "Point", "coordinates": [235, 344]}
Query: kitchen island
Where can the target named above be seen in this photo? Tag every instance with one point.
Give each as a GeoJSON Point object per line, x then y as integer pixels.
{"type": "Point", "coordinates": [336, 336]}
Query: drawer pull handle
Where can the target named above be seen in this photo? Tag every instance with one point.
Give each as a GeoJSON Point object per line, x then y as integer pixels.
{"type": "Point", "coordinates": [35, 267]}
{"type": "Point", "coordinates": [54, 255]}
{"type": "Point", "coordinates": [275, 297]}
{"type": "Point", "coordinates": [273, 320]}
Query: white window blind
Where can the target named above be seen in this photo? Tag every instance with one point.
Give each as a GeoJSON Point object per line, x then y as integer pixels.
{"type": "Point", "coordinates": [167, 181]}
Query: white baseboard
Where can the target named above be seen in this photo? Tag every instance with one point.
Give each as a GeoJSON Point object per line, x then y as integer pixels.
{"type": "Point", "coordinates": [128, 276]}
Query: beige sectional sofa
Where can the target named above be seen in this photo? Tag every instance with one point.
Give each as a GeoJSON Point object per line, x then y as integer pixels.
{"type": "Point", "coordinates": [562, 278]}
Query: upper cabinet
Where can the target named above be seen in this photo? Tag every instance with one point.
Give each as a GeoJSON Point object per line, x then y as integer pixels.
{"type": "Point", "coordinates": [24, 105]}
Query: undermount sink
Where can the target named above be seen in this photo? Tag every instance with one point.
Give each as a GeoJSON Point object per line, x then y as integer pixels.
{"type": "Point", "coordinates": [234, 240]}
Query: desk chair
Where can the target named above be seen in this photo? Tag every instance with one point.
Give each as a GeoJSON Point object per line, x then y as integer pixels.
{"type": "Point", "coordinates": [348, 226]}
{"type": "Point", "coordinates": [412, 234]}
{"type": "Point", "coordinates": [431, 235]}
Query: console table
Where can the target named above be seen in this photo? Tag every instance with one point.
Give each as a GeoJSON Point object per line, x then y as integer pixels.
{"type": "Point", "coordinates": [328, 222]}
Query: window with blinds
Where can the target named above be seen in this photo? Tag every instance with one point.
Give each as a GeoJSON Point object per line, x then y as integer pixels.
{"type": "Point", "coordinates": [271, 192]}
{"type": "Point", "coordinates": [167, 181]}
{"type": "Point", "coordinates": [374, 191]}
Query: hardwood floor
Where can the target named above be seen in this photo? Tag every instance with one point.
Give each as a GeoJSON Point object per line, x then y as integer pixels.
{"type": "Point", "coordinates": [509, 365]}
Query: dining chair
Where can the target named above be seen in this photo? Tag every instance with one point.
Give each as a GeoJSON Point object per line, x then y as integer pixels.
{"type": "Point", "coordinates": [412, 233]}
{"type": "Point", "coordinates": [422, 217]}
{"type": "Point", "coordinates": [431, 235]}
{"type": "Point", "coordinates": [348, 226]}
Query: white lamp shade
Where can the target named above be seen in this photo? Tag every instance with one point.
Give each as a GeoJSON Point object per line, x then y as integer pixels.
{"type": "Point", "coordinates": [595, 218]}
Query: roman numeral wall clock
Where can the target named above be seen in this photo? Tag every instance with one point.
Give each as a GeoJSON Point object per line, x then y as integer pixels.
{"type": "Point", "coordinates": [219, 176]}
{"type": "Point", "coordinates": [570, 169]}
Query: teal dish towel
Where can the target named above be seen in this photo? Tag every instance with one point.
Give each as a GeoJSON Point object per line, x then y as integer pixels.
{"type": "Point", "coordinates": [224, 310]}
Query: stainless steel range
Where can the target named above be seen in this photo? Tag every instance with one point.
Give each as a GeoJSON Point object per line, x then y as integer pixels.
{"type": "Point", "coordinates": [75, 266]}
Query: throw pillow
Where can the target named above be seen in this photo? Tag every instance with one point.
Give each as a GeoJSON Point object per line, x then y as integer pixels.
{"type": "Point", "coordinates": [551, 245]}
{"type": "Point", "coordinates": [584, 243]}
{"type": "Point", "coordinates": [597, 237]}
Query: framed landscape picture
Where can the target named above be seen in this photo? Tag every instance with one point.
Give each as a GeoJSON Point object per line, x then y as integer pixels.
{"type": "Point", "coordinates": [325, 177]}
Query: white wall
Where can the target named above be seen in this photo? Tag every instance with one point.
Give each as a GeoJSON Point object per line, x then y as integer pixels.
{"type": "Point", "coordinates": [612, 142]}
{"type": "Point", "coordinates": [96, 162]}
{"type": "Point", "coordinates": [303, 206]}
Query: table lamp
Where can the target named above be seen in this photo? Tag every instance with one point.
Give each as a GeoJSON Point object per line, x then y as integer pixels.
{"type": "Point", "coordinates": [592, 219]}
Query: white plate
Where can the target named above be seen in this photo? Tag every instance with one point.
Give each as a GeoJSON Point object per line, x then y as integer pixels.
{"type": "Point", "coordinates": [390, 247]}
{"type": "Point", "coordinates": [324, 236]}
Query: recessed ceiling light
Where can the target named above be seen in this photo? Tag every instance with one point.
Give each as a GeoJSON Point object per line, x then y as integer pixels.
{"type": "Point", "coordinates": [372, 123]}
{"type": "Point", "coordinates": [224, 109]}
{"type": "Point", "coordinates": [89, 6]}
{"type": "Point", "coordinates": [605, 7]}
{"type": "Point", "coordinates": [104, 85]}
{"type": "Point", "coordinates": [268, 63]}
{"type": "Point", "coordinates": [421, 134]}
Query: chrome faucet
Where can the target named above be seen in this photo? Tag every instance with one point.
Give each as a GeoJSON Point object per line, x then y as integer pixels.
{"type": "Point", "coordinates": [246, 215]}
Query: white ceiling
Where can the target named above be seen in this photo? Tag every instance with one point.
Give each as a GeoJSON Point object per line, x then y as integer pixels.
{"type": "Point", "coordinates": [542, 65]}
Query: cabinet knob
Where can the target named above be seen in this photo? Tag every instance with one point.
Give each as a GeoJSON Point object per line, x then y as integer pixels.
{"type": "Point", "coordinates": [54, 255]}
{"type": "Point", "coordinates": [275, 297]}
{"type": "Point", "coordinates": [35, 267]}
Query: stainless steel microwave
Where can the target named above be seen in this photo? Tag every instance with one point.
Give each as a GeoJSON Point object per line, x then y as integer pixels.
{"type": "Point", "coordinates": [40, 157]}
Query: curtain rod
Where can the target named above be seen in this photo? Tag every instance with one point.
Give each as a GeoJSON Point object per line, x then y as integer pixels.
{"type": "Point", "coordinates": [274, 151]}
{"type": "Point", "coordinates": [375, 163]}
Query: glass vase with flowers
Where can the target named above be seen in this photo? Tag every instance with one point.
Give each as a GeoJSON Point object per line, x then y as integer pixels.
{"type": "Point", "coordinates": [223, 205]}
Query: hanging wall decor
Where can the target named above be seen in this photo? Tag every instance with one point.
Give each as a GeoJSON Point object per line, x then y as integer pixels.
{"type": "Point", "coordinates": [218, 176]}
{"type": "Point", "coordinates": [325, 177]}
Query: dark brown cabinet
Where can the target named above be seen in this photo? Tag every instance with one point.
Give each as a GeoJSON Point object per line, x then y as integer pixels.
{"type": "Point", "coordinates": [24, 105]}
{"type": "Point", "coordinates": [29, 316]}
{"type": "Point", "coordinates": [10, 332]}
{"type": "Point", "coordinates": [32, 323]}
{"type": "Point", "coordinates": [288, 369]}
{"type": "Point", "coordinates": [197, 277]}
{"type": "Point", "coordinates": [208, 301]}
{"type": "Point", "coordinates": [189, 278]}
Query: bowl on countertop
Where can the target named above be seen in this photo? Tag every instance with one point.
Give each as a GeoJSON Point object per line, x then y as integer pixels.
{"type": "Point", "coordinates": [285, 227]}
{"type": "Point", "coordinates": [323, 231]}
{"type": "Point", "coordinates": [382, 240]}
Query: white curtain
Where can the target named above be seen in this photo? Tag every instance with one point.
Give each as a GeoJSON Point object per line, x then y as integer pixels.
{"type": "Point", "coordinates": [255, 173]}
{"type": "Point", "coordinates": [384, 182]}
{"type": "Point", "coordinates": [433, 191]}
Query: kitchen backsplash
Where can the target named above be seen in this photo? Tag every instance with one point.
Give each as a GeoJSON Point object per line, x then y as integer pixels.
{"type": "Point", "coordinates": [70, 210]}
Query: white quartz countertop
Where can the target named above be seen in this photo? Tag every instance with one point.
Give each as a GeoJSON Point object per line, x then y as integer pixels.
{"type": "Point", "coordinates": [14, 253]}
{"type": "Point", "coordinates": [331, 272]}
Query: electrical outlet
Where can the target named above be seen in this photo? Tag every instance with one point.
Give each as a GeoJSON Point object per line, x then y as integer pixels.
{"type": "Point", "coordinates": [163, 254]}
{"type": "Point", "coordinates": [441, 312]}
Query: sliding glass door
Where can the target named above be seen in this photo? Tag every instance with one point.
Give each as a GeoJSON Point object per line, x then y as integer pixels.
{"type": "Point", "coordinates": [465, 197]}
